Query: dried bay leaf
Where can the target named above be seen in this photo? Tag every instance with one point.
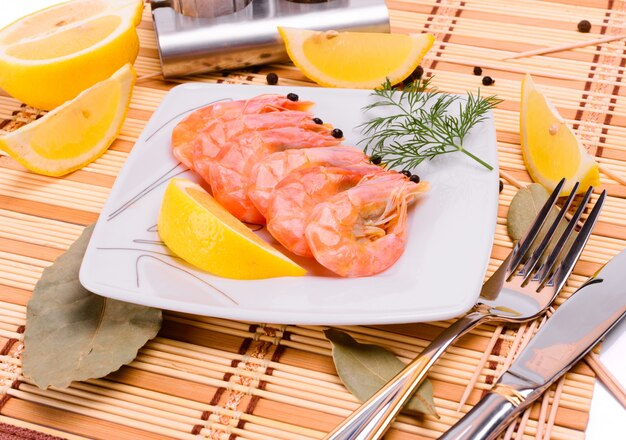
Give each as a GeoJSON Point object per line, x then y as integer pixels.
{"type": "Point", "coordinates": [73, 334]}
{"type": "Point", "coordinates": [365, 368]}
{"type": "Point", "coordinates": [524, 207]}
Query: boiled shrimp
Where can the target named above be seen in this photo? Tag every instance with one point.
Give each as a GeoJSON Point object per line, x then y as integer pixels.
{"type": "Point", "coordinates": [362, 231]}
{"type": "Point", "coordinates": [218, 134]}
{"type": "Point", "coordinates": [228, 174]}
{"type": "Point", "coordinates": [266, 174]}
{"type": "Point", "coordinates": [186, 131]}
{"type": "Point", "coordinates": [223, 129]}
{"type": "Point", "coordinates": [294, 198]}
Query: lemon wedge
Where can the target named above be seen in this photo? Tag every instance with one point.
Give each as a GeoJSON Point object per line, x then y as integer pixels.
{"type": "Point", "coordinates": [76, 133]}
{"type": "Point", "coordinates": [49, 57]}
{"type": "Point", "coordinates": [361, 60]}
{"type": "Point", "coordinates": [199, 230]}
{"type": "Point", "coordinates": [550, 148]}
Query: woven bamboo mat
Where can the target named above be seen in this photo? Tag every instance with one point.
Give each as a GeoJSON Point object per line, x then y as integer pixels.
{"type": "Point", "coordinates": [211, 378]}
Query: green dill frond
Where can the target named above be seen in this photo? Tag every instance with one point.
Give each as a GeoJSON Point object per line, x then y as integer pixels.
{"type": "Point", "coordinates": [420, 126]}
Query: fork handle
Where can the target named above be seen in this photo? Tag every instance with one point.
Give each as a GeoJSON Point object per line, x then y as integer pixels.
{"type": "Point", "coordinates": [372, 419]}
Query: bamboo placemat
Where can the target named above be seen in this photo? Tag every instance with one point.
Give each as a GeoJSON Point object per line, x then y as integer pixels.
{"type": "Point", "coordinates": [212, 378]}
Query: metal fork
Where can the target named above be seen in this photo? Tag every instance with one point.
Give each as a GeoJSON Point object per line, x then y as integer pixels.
{"type": "Point", "coordinates": [509, 295]}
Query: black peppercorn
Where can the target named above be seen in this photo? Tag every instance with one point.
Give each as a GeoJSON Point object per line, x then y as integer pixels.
{"type": "Point", "coordinates": [414, 178]}
{"type": "Point", "coordinates": [292, 97]}
{"type": "Point", "coordinates": [376, 160]}
{"type": "Point", "coordinates": [407, 173]}
{"type": "Point", "coordinates": [584, 26]}
{"type": "Point", "coordinates": [487, 80]}
{"type": "Point", "coordinates": [418, 72]}
{"type": "Point", "coordinates": [318, 121]}
{"type": "Point", "coordinates": [501, 186]}
{"type": "Point", "coordinates": [414, 76]}
{"type": "Point", "coordinates": [272, 79]}
{"type": "Point", "coordinates": [336, 133]}
{"type": "Point", "coordinates": [478, 71]}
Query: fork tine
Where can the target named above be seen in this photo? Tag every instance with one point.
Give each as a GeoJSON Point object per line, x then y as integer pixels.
{"type": "Point", "coordinates": [549, 263]}
{"type": "Point", "coordinates": [538, 253]}
{"type": "Point", "coordinates": [527, 240]}
{"type": "Point", "coordinates": [567, 265]}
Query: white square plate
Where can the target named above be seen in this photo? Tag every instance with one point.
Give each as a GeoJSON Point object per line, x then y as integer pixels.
{"type": "Point", "coordinates": [439, 276]}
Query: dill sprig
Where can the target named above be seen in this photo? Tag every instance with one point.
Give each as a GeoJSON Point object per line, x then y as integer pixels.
{"type": "Point", "coordinates": [419, 126]}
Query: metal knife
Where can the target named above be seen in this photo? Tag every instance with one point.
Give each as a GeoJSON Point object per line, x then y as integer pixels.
{"type": "Point", "coordinates": [577, 325]}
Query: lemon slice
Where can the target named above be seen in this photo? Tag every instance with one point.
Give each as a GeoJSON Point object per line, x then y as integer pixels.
{"type": "Point", "coordinates": [49, 57]}
{"type": "Point", "coordinates": [200, 231]}
{"type": "Point", "coordinates": [76, 133]}
{"type": "Point", "coordinates": [360, 60]}
{"type": "Point", "coordinates": [550, 149]}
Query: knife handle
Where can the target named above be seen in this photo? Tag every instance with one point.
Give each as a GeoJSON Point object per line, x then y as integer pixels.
{"type": "Point", "coordinates": [494, 412]}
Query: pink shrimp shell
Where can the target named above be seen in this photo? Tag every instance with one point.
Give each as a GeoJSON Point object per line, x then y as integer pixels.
{"type": "Point", "coordinates": [229, 173]}
{"type": "Point", "coordinates": [186, 131]}
{"type": "Point", "coordinates": [266, 174]}
{"type": "Point", "coordinates": [330, 232]}
{"type": "Point", "coordinates": [296, 196]}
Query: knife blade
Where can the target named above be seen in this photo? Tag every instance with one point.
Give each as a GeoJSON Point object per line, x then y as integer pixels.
{"type": "Point", "coordinates": [577, 325]}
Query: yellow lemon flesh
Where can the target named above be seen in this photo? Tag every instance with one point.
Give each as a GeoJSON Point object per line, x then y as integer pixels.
{"type": "Point", "coordinates": [49, 57]}
{"type": "Point", "coordinates": [200, 231]}
{"type": "Point", "coordinates": [76, 133]}
{"type": "Point", "coordinates": [361, 60]}
{"type": "Point", "coordinates": [550, 149]}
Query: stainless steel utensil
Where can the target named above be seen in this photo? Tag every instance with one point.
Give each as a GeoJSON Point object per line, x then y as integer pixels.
{"type": "Point", "coordinates": [196, 36]}
{"type": "Point", "coordinates": [577, 325]}
{"type": "Point", "coordinates": [510, 295]}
